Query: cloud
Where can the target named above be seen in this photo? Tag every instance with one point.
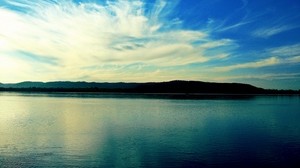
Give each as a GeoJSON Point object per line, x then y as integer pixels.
{"type": "Point", "coordinates": [267, 32]}
{"type": "Point", "coordinates": [234, 26]}
{"type": "Point", "coordinates": [289, 54]}
{"type": "Point", "coordinates": [230, 22]}
{"type": "Point", "coordinates": [73, 35]}
{"type": "Point", "coordinates": [257, 64]}
{"type": "Point", "coordinates": [11, 68]}
{"type": "Point", "coordinates": [295, 59]}
{"type": "Point", "coordinates": [266, 80]}
{"type": "Point", "coordinates": [286, 51]}
{"type": "Point", "coordinates": [267, 76]}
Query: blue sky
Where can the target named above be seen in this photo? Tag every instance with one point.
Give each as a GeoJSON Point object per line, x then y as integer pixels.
{"type": "Point", "coordinates": [255, 42]}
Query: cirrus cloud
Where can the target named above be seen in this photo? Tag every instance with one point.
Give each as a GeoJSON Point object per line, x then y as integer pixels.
{"type": "Point", "coordinates": [86, 34]}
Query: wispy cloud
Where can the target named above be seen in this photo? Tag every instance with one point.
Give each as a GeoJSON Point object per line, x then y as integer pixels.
{"type": "Point", "coordinates": [268, 76]}
{"type": "Point", "coordinates": [234, 26]}
{"type": "Point", "coordinates": [230, 23]}
{"type": "Point", "coordinates": [256, 64]}
{"type": "Point", "coordinates": [289, 54]}
{"type": "Point", "coordinates": [267, 32]}
{"type": "Point", "coordinates": [263, 80]}
{"type": "Point", "coordinates": [76, 35]}
{"type": "Point", "coordinates": [286, 51]}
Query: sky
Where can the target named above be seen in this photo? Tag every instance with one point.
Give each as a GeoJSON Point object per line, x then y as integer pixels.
{"type": "Point", "coordinates": [255, 42]}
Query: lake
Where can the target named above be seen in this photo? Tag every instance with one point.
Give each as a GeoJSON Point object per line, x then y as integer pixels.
{"type": "Point", "coordinates": [111, 130]}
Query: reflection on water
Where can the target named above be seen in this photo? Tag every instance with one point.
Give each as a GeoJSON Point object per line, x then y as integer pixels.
{"type": "Point", "coordinates": [37, 130]}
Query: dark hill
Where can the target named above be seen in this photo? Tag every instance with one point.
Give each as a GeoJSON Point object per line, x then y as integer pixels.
{"type": "Point", "coordinates": [198, 87]}
{"type": "Point", "coordinates": [152, 87]}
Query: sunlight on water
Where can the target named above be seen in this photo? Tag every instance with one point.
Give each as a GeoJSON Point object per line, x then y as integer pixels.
{"type": "Point", "coordinates": [56, 130]}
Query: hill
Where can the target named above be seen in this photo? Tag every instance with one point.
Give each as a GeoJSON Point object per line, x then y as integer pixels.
{"type": "Point", "coordinates": [186, 87]}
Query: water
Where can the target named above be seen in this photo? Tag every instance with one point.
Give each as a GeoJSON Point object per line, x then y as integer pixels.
{"type": "Point", "coordinates": [90, 130]}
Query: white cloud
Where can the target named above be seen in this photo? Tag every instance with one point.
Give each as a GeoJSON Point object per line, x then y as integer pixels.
{"type": "Point", "coordinates": [88, 34]}
{"type": "Point", "coordinates": [267, 76]}
{"type": "Point", "coordinates": [234, 26]}
{"type": "Point", "coordinates": [286, 51]}
{"type": "Point", "coordinates": [267, 32]}
{"type": "Point", "coordinates": [295, 59]}
{"type": "Point", "coordinates": [266, 80]}
{"type": "Point", "coordinates": [11, 68]}
{"type": "Point", "coordinates": [257, 64]}
{"type": "Point", "coordinates": [289, 54]}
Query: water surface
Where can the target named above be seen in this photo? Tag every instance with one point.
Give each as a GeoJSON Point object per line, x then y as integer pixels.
{"type": "Point", "coordinates": [94, 130]}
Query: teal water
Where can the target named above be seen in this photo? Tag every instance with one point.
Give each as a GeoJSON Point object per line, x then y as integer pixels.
{"type": "Point", "coordinates": [94, 130]}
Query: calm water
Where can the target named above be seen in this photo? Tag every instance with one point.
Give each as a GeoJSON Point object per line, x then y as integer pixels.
{"type": "Point", "coordinates": [81, 130]}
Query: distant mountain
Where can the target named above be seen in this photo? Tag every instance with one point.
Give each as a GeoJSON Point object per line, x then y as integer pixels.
{"type": "Point", "coordinates": [187, 87]}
